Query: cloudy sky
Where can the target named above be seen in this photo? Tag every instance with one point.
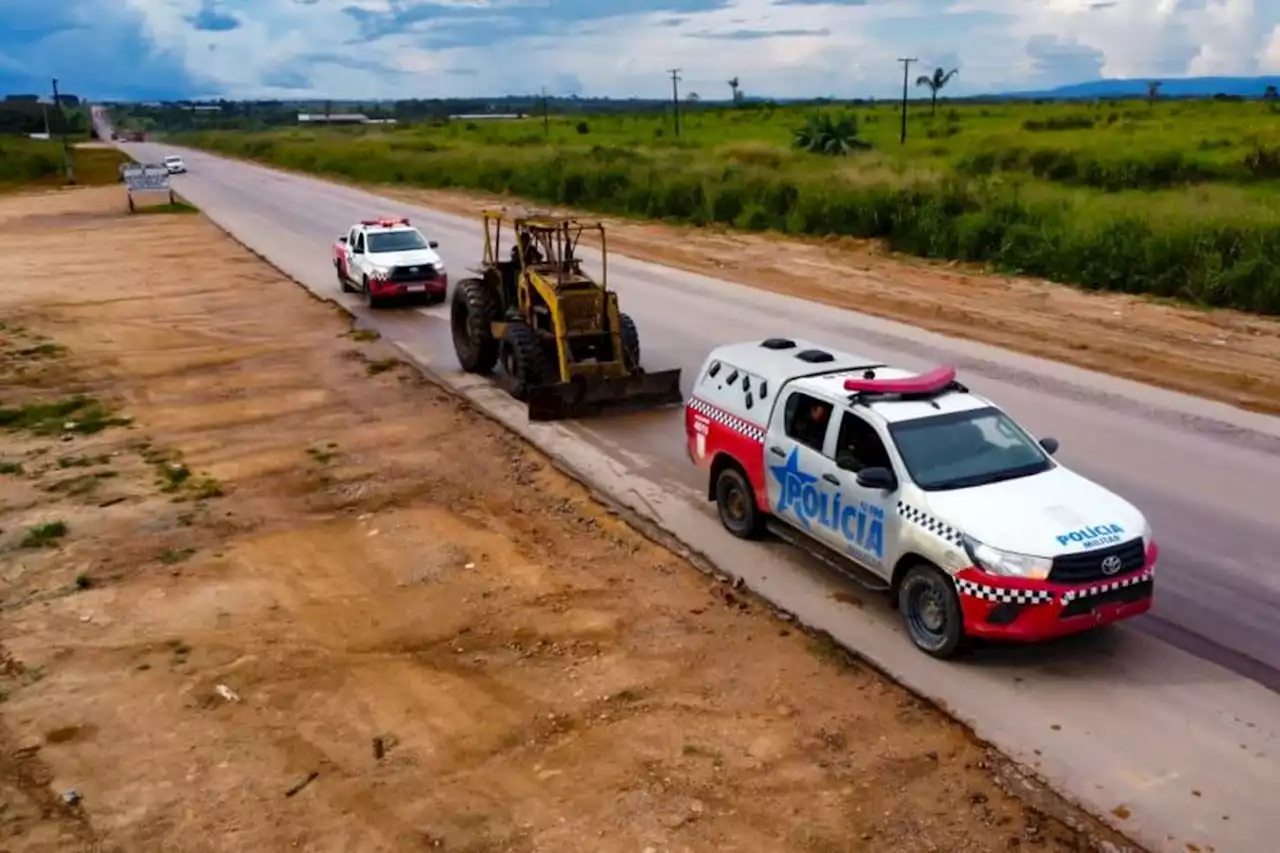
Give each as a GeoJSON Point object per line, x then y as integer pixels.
{"type": "Point", "coordinates": [784, 48]}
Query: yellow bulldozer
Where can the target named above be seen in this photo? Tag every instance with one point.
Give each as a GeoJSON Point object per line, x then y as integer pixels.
{"type": "Point", "coordinates": [565, 348]}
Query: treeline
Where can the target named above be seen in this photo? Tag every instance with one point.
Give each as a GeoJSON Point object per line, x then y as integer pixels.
{"type": "Point", "coordinates": [24, 114]}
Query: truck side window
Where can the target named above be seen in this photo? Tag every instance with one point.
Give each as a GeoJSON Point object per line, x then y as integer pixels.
{"type": "Point", "coordinates": [859, 446]}
{"type": "Point", "coordinates": [360, 242]}
{"type": "Point", "coordinates": [806, 420]}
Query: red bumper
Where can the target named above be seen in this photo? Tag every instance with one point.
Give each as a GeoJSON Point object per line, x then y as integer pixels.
{"type": "Point", "coordinates": [435, 287]}
{"type": "Point", "coordinates": [1002, 608]}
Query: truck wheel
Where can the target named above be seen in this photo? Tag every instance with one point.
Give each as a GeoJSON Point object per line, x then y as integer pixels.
{"type": "Point", "coordinates": [630, 341]}
{"type": "Point", "coordinates": [343, 282]}
{"type": "Point", "coordinates": [931, 612]}
{"type": "Point", "coordinates": [372, 301]}
{"type": "Point", "coordinates": [736, 503]}
{"type": "Point", "coordinates": [522, 359]}
{"type": "Point", "coordinates": [470, 317]}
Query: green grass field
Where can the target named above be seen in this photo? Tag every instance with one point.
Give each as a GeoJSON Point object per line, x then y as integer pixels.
{"type": "Point", "coordinates": [28, 163]}
{"type": "Point", "coordinates": [1179, 199]}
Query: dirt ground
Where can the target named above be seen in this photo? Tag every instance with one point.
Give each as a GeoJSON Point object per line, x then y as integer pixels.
{"type": "Point", "coordinates": [1223, 355]}
{"type": "Point", "coordinates": [265, 589]}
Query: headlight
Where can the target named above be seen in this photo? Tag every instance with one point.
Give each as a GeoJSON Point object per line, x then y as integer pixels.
{"type": "Point", "coordinates": [379, 272]}
{"type": "Point", "coordinates": [1146, 534]}
{"type": "Point", "coordinates": [1006, 563]}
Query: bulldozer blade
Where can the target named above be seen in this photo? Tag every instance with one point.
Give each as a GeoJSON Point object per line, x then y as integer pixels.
{"type": "Point", "coordinates": [593, 396]}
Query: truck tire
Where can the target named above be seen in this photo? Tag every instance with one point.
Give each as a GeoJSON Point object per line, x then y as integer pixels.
{"type": "Point", "coordinates": [736, 503]}
{"type": "Point", "coordinates": [630, 341]}
{"type": "Point", "coordinates": [930, 610]}
{"type": "Point", "coordinates": [470, 317]}
{"type": "Point", "coordinates": [372, 301]}
{"type": "Point", "coordinates": [522, 359]}
{"type": "Point", "coordinates": [343, 282]}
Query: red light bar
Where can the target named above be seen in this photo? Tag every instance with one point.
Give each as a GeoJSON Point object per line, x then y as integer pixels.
{"type": "Point", "coordinates": [386, 222]}
{"type": "Point", "coordinates": [925, 383]}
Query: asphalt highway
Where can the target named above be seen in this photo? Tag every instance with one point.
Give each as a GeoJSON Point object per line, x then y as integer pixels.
{"type": "Point", "coordinates": [1177, 701]}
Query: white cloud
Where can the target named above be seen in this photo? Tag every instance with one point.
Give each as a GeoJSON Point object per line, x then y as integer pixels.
{"type": "Point", "coordinates": [413, 48]}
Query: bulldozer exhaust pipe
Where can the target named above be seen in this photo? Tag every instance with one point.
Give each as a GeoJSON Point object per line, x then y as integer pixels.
{"type": "Point", "coordinates": [594, 396]}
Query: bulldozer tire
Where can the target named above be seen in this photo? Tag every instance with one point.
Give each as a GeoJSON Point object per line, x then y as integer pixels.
{"type": "Point", "coordinates": [630, 341]}
{"type": "Point", "coordinates": [469, 317]}
{"type": "Point", "coordinates": [522, 359]}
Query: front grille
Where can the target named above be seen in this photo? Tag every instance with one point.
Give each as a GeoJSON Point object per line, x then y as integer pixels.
{"type": "Point", "coordinates": [582, 312]}
{"type": "Point", "coordinates": [421, 272]}
{"type": "Point", "coordinates": [1120, 595]}
{"type": "Point", "coordinates": [1087, 567]}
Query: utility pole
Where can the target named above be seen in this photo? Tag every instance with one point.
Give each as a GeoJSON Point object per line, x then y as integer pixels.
{"type": "Point", "coordinates": [675, 96]}
{"type": "Point", "coordinates": [62, 132]}
{"type": "Point", "coordinates": [906, 73]}
{"type": "Point", "coordinates": [546, 120]}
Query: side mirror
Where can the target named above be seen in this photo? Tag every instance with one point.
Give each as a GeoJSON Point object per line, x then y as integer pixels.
{"type": "Point", "coordinates": [342, 239]}
{"type": "Point", "coordinates": [1050, 445]}
{"type": "Point", "coordinates": [434, 244]}
{"type": "Point", "coordinates": [877, 478]}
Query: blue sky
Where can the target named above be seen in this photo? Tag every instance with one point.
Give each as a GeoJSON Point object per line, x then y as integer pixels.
{"type": "Point", "coordinates": [786, 48]}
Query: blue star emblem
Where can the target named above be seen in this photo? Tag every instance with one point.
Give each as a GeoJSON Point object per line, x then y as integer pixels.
{"type": "Point", "coordinates": [792, 480]}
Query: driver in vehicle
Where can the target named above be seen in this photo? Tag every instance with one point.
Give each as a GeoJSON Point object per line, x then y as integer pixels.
{"type": "Point", "coordinates": [811, 424]}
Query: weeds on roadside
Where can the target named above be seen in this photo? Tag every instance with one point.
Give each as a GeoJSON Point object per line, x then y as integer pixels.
{"type": "Point", "coordinates": [44, 535]}
{"type": "Point", "coordinates": [77, 414]}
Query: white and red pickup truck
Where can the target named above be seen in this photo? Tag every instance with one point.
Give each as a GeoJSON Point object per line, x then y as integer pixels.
{"type": "Point", "coordinates": [388, 259]}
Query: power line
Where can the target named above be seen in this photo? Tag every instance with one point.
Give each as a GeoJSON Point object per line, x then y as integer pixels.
{"type": "Point", "coordinates": [675, 96]}
{"type": "Point", "coordinates": [906, 73]}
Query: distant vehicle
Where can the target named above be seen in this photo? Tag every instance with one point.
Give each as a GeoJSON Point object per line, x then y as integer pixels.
{"type": "Point", "coordinates": [175, 165]}
{"type": "Point", "coordinates": [388, 259]}
{"type": "Point", "coordinates": [919, 488]}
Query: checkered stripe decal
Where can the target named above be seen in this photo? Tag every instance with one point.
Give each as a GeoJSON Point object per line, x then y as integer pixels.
{"type": "Point", "coordinates": [927, 522]}
{"type": "Point", "coordinates": [734, 423]}
{"type": "Point", "coordinates": [1100, 588]}
{"type": "Point", "coordinates": [1003, 595]}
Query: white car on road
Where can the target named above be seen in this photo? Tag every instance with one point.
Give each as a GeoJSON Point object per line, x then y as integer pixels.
{"type": "Point", "coordinates": [918, 487]}
{"type": "Point", "coordinates": [387, 259]}
{"type": "Point", "coordinates": [175, 165]}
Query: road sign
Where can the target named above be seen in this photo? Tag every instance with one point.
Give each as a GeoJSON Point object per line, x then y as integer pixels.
{"type": "Point", "coordinates": [144, 178]}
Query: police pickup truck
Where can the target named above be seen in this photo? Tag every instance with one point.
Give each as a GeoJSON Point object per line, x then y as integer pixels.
{"type": "Point", "coordinates": [387, 259]}
{"type": "Point", "coordinates": [919, 488]}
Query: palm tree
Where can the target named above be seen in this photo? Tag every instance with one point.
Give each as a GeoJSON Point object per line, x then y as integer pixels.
{"type": "Point", "coordinates": [825, 134]}
{"type": "Point", "coordinates": [937, 83]}
{"type": "Point", "coordinates": [1153, 91]}
{"type": "Point", "coordinates": [737, 95]}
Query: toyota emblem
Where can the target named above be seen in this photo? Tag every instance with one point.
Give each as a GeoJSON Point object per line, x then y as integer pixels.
{"type": "Point", "coordinates": [413, 269]}
{"type": "Point", "coordinates": [1111, 565]}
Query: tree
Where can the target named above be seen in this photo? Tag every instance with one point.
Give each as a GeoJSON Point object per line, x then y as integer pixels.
{"type": "Point", "coordinates": [833, 136]}
{"type": "Point", "coordinates": [737, 92]}
{"type": "Point", "coordinates": [936, 83]}
{"type": "Point", "coordinates": [1270, 94]}
{"type": "Point", "coordinates": [1153, 91]}
{"type": "Point", "coordinates": [692, 97]}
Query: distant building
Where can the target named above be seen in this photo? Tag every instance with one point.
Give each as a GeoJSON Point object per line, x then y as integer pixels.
{"type": "Point", "coordinates": [341, 118]}
{"type": "Point", "coordinates": [481, 116]}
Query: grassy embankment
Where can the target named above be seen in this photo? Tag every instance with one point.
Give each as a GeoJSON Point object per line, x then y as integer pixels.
{"type": "Point", "coordinates": [1179, 200]}
{"type": "Point", "coordinates": [31, 163]}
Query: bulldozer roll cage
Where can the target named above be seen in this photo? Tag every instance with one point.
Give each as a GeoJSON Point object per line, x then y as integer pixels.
{"type": "Point", "coordinates": [567, 348]}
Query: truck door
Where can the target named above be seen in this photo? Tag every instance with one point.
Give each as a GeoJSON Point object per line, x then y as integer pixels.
{"type": "Point", "coordinates": [868, 518]}
{"type": "Point", "coordinates": [355, 255]}
{"type": "Point", "coordinates": [803, 481]}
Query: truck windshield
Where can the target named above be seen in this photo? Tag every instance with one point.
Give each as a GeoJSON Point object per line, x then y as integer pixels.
{"type": "Point", "coordinates": [966, 449]}
{"type": "Point", "coordinates": [396, 241]}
